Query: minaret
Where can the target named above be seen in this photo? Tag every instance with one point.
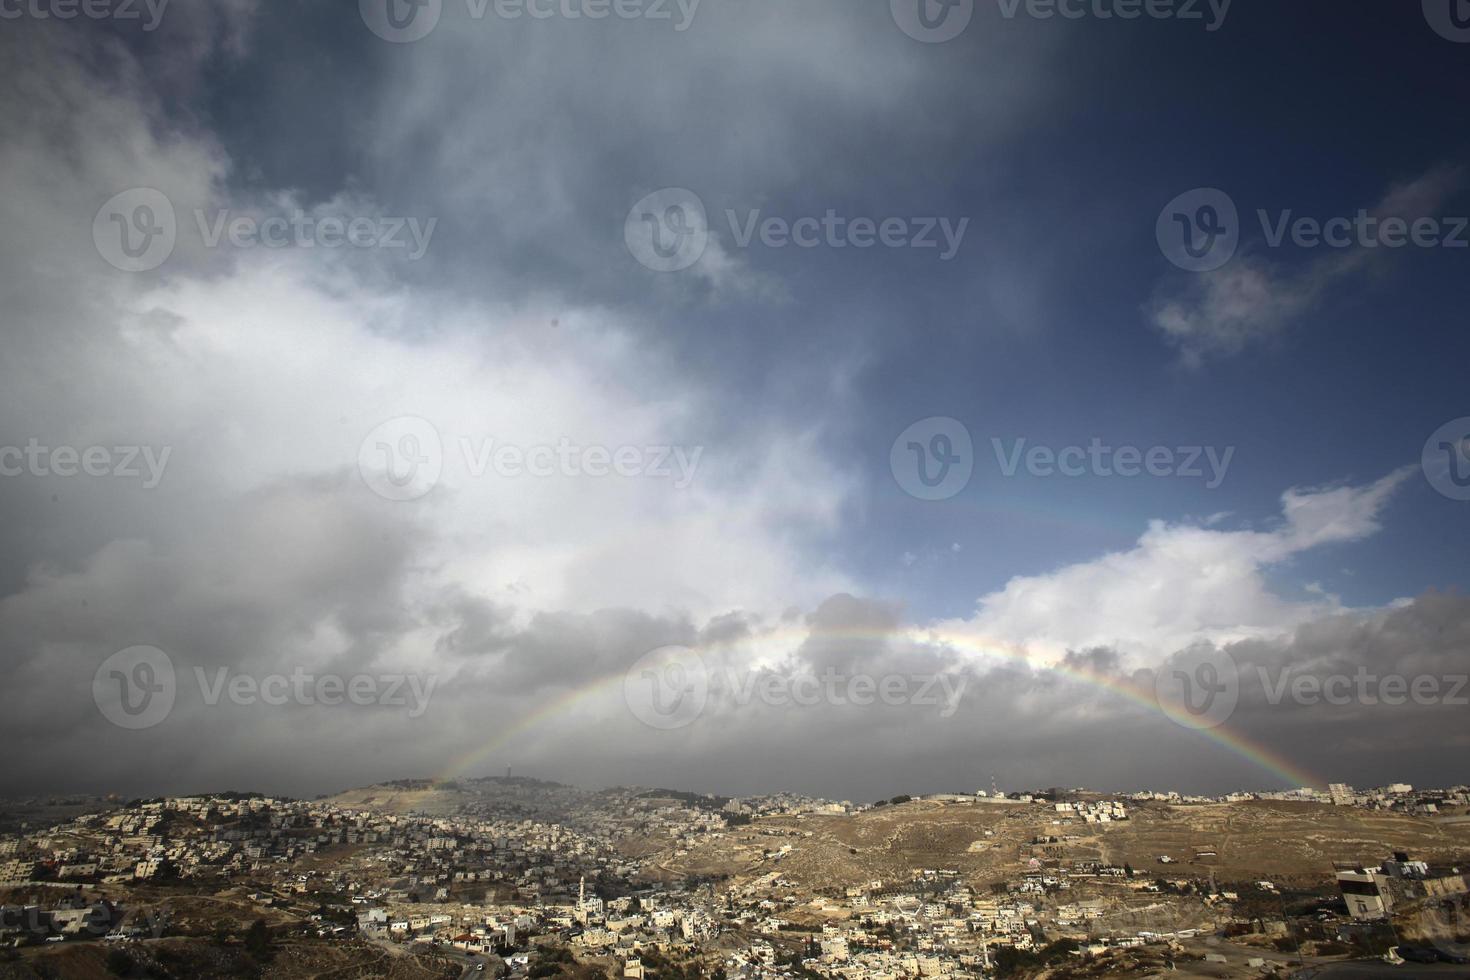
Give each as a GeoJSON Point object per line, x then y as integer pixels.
{"type": "Point", "coordinates": [582, 893]}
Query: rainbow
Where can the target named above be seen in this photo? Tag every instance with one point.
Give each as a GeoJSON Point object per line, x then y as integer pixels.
{"type": "Point", "coordinates": [566, 704]}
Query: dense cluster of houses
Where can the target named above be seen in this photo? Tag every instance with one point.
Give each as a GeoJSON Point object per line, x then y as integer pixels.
{"type": "Point", "coordinates": [932, 926]}
{"type": "Point", "coordinates": [507, 870]}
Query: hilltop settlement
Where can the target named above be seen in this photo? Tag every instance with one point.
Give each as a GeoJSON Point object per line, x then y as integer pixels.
{"type": "Point", "coordinates": [520, 878]}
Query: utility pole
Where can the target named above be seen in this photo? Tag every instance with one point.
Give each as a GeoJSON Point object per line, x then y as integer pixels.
{"type": "Point", "coordinates": [1281, 904]}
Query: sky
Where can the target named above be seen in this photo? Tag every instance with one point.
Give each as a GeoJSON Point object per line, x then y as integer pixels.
{"type": "Point", "coordinates": [734, 395]}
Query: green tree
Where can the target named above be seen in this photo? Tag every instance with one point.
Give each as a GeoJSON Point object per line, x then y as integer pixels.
{"type": "Point", "coordinates": [258, 939]}
{"type": "Point", "coordinates": [119, 963]}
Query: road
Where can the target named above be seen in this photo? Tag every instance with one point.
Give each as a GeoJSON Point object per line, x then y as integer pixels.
{"type": "Point", "coordinates": [466, 961]}
{"type": "Point", "coordinates": [469, 961]}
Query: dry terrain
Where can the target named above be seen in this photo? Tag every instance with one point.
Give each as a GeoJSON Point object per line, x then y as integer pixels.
{"type": "Point", "coordinates": [1292, 844]}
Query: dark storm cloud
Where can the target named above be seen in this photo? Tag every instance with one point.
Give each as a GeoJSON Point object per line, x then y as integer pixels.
{"type": "Point", "coordinates": [1362, 697]}
{"type": "Point", "coordinates": [847, 633]}
{"type": "Point", "coordinates": [1013, 719]}
{"type": "Point", "coordinates": [571, 649]}
{"type": "Point", "coordinates": [532, 138]}
{"type": "Point", "coordinates": [1036, 726]}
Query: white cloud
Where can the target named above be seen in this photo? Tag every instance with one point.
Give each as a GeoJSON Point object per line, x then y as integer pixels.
{"type": "Point", "coordinates": [1180, 584]}
{"type": "Point", "coordinates": [1253, 298]}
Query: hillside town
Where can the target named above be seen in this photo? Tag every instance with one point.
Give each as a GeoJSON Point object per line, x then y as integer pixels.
{"type": "Point", "coordinates": [524, 875]}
